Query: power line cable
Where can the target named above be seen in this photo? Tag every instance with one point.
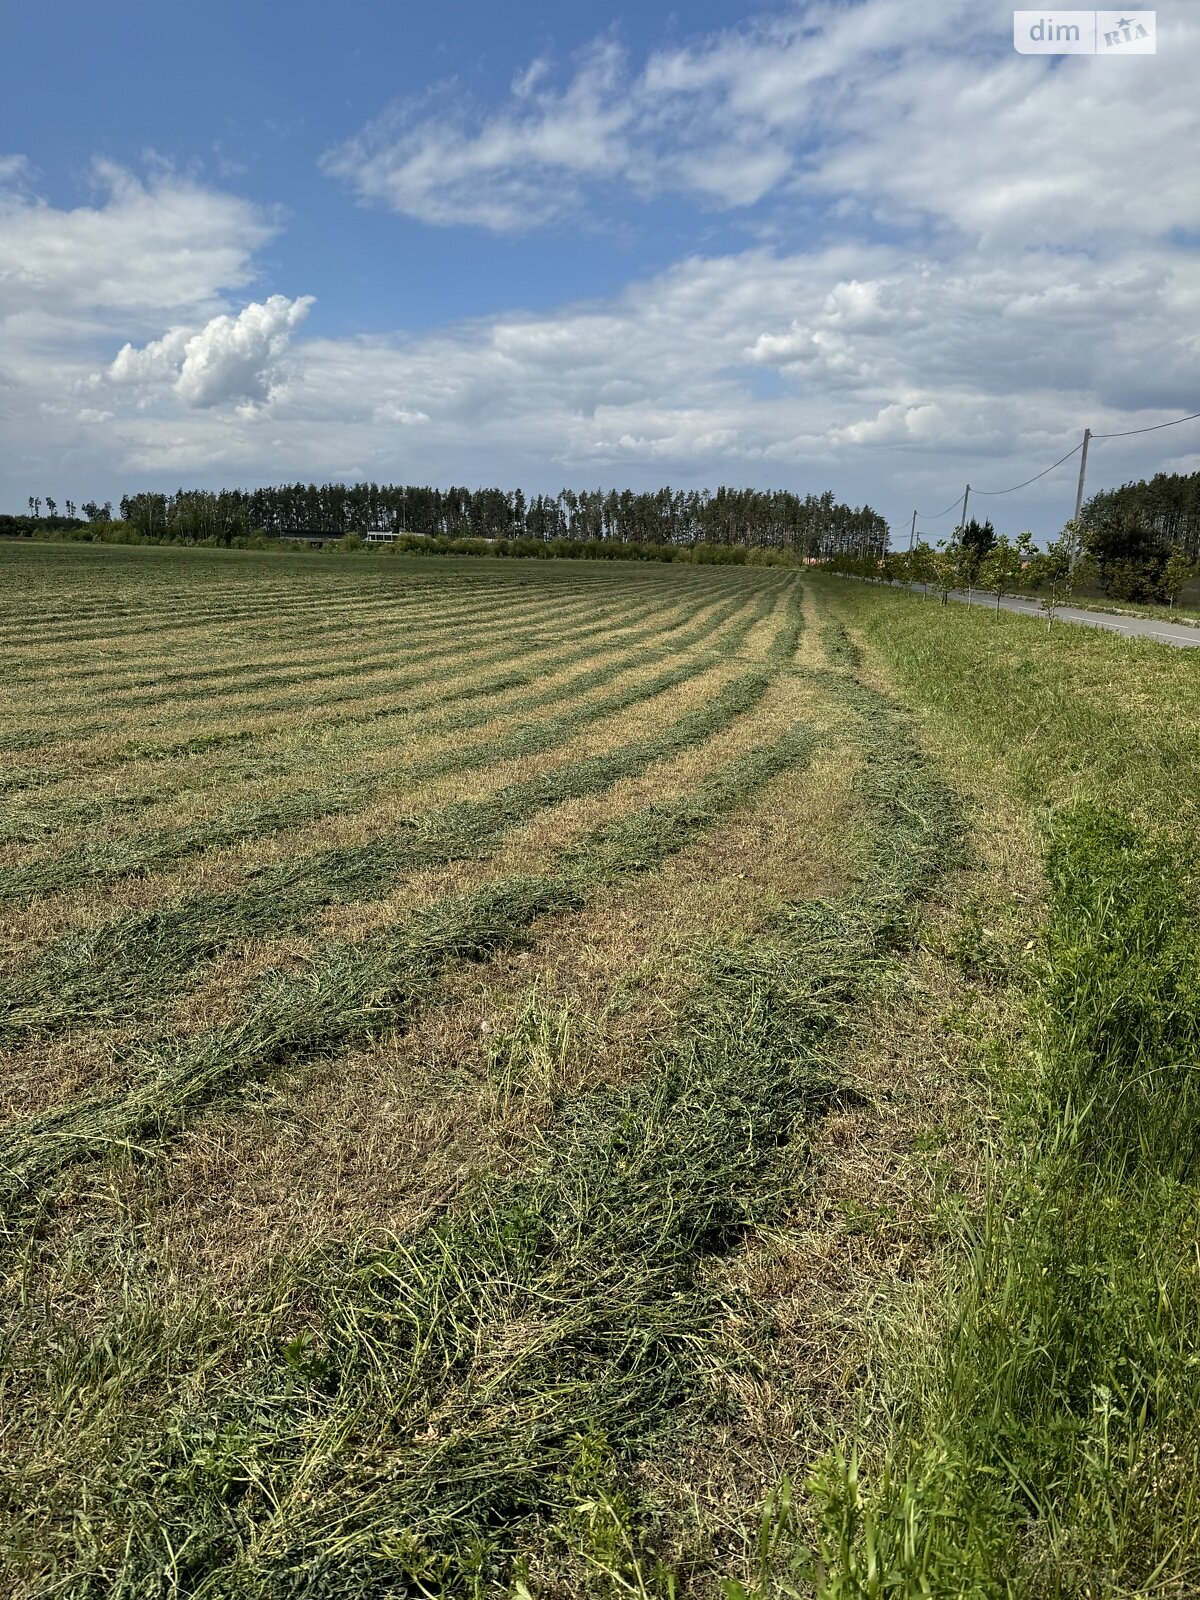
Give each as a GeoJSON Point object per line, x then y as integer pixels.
{"type": "Point", "coordinates": [1037, 475]}
{"type": "Point", "coordinates": [1152, 429]}
{"type": "Point", "coordinates": [932, 516]}
{"type": "Point", "coordinates": [1124, 434]}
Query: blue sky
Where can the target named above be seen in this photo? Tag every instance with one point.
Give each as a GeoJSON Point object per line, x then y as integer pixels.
{"type": "Point", "coordinates": [242, 100]}
{"type": "Point", "coordinates": [856, 244]}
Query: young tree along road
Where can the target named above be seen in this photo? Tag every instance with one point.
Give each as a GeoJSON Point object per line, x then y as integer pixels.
{"type": "Point", "coordinates": [1179, 633]}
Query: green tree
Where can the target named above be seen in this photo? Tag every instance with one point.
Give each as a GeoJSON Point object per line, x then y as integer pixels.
{"type": "Point", "coordinates": [898, 567]}
{"type": "Point", "coordinates": [921, 567]}
{"type": "Point", "coordinates": [948, 566]}
{"type": "Point", "coordinates": [1002, 569]}
{"type": "Point", "coordinates": [1124, 544]}
{"type": "Point", "coordinates": [1146, 519]}
{"type": "Point", "coordinates": [976, 541]}
{"type": "Point", "coordinates": [1177, 570]}
{"type": "Point", "coordinates": [147, 513]}
{"type": "Point", "coordinates": [1052, 572]}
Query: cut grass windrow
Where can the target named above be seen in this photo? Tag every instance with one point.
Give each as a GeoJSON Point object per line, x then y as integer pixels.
{"type": "Point", "coordinates": [108, 861]}
{"type": "Point", "coordinates": [390, 645]}
{"type": "Point", "coordinates": [343, 686]}
{"type": "Point", "coordinates": [303, 609]}
{"type": "Point", "coordinates": [265, 614]}
{"type": "Point", "coordinates": [313, 624]}
{"type": "Point", "coordinates": [393, 695]}
{"type": "Point", "coordinates": [352, 990]}
{"type": "Point", "coordinates": [130, 854]}
{"type": "Point", "coordinates": [365, 642]}
{"type": "Point", "coordinates": [357, 613]}
{"type": "Point", "coordinates": [275, 614]}
{"type": "Point", "coordinates": [438, 1409]}
{"type": "Point", "coordinates": [465, 640]}
{"type": "Point", "coordinates": [125, 967]}
{"type": "Point", "coordinates": [40, 821]}
{"type": "Point", "coordinates": [124, 673]}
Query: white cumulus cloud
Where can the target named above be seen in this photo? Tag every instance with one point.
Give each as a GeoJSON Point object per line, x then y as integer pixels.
{"type": "Point", "coordinates": [508, 171]}
{"type": "Point", "coordinates": [229, 359]}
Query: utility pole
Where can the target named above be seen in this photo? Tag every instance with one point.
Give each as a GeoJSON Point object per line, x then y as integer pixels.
{"type": "Point", "coordinates": [966, 497]}
{"type": "Point", "coordinates": [912, 533]}
{"type": "Point", "coordinates": [1087, 434]}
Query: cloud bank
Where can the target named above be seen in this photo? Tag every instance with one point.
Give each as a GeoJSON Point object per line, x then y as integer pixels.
{"type": "Point", "coordinates": [901, 112]}
{"type": "Point", "coordinates": [145, 247]}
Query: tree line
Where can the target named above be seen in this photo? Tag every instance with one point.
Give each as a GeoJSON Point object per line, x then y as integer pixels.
{"type": "Point", "coordinates": [1133, 534]}
{"type": "Point", "coordinates": [1138, 543]}
{"type": "Point", "coordinates": [815, 526]}
{"type": "Point", "coordinates": [976, 557]}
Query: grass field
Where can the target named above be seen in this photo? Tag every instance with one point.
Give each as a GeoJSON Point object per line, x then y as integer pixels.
{"type": "Point", "coordinates": [565, 1079]}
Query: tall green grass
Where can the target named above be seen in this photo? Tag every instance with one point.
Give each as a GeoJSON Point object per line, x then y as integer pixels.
{"type": "Point", "coordinates": [1055, 717]}
{"type": "Point", "coordinates": [1052, 1444]}
{"type": "Point", "coordinates": [1045, 1439]}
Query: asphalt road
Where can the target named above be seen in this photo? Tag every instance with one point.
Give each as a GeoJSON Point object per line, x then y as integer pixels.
{"type": "Point", "coordinates": [1179, 633]}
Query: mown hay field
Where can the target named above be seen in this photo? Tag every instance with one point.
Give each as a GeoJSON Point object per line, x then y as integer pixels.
{"type": "Point", "coordinates": [487, 1046]}
{"type": "Point", "coordinates": [361, 921]}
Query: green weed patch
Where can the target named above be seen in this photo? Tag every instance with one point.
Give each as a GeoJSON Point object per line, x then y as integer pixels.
{"type": "Point", "coordinates": [1048, 1444]}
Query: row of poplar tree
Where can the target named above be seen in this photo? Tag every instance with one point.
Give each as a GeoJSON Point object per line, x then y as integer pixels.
{"type": "Point", "coordinates": [815, 525]}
